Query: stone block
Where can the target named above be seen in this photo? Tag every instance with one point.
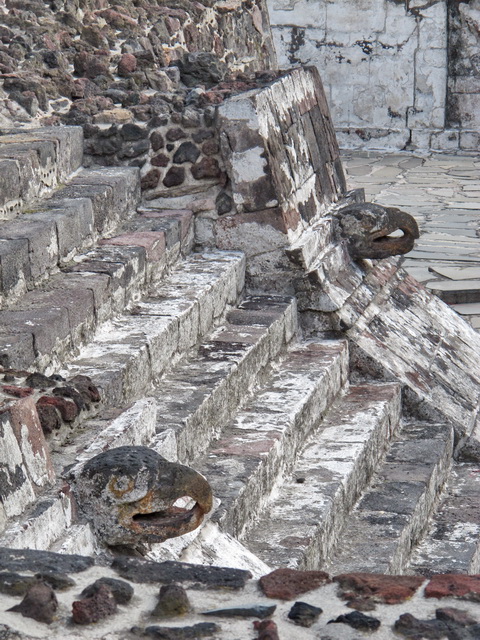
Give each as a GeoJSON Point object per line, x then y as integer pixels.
{"type": "Point", "coordinates": [125, 182]}
{"type": "Point", "coordinates": [42, 242]}
{"type": "Point", "coordinates": [49, 327]}
{"type": "Point", "coordinates": [102, 202]}
{"type": "Point", "coordinates": [152, 241]}
{"type": "Point", "coordinates": [16, 350]}
{"type": "Point", "coordinates": [15, 269]}
{"type": "Point", "coordinates": [10, 191]}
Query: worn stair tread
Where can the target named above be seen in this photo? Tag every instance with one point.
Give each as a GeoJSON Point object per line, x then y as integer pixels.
{"type": "Point", "coordinates": [264, 438]}
{"type": "Point", "coordinates": [130, 354]}
{"type": "Point", "coordinates": [35, 161]}
{"type": "Point", "coordinates": [307, 511]}
{"type": "Point", "coordinates": [452, 542]}
{"type": "Point", "coordinates": [203, 392]}
{"type": "Point", "coordinates": [57, 228]}
{"type": "Point", "coordinates": [392, 515]}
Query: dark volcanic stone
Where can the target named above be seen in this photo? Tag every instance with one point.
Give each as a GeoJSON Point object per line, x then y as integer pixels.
{"type": "Point", "coordinates": [186, 152]}
{"type": "Point", "coordinates": [39, 603]}
{"type": "Point", "coordinates": [201, 68]}
{"type": "Point", "coordinates": [49, 418]}
{"type": "Point", "coordinates": [121, 590]}
{"type": "Point", "coordinates": [13, 584]}
{"type": "Point", "coordinates": [157, 140]}
{"type": "Point", "coordinates": [175, 134]}
{"type": "Point", "coordinates": [252, 611]}
{"type": "Point", "coordinates": [200, 630]}
{"type": "Point", "coordinates": [57, 581]}
{"type": "Point", "coordinates": [470, 451]}
{"type": "Point", "coordinates": [40, 561]}
{"type": "Point", "coordinates": [150, 179]}
{"type": "Point", "coordinates": [174, 177]}
{"type": "Point", "coordinates": [160, 160]}
{"type": "Point", "coordinates": [133, 132]}
{"type": "Point", "coordinates": [224, 203]}
{"type": "Point", "coordinates": [206, 168]}
{"type": "Point", "coordinates": [146, 571]}
{"type": "Point", "coordinates": [358, 620]}
{"type": "Point", "coordinates": [97, 607]}
{"type": "Point", "coordinates": [287, 584]}
{"type": "Point", "coordinates": [38, 381]}
{"type": "Point", "coordinates": [172, 601]}
{"type": "Point", "coordinates": [411, 627]}
{"type": "Point", "coordinates": [457, 616]}
{"type": "Point", "coordinates": [304, 614]}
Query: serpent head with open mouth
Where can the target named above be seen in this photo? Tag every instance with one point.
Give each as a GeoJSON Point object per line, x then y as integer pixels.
{"type": "Point", "coordinates": [132, 495]}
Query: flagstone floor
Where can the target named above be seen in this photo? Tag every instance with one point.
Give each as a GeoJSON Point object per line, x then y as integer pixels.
{"type": "Point", "coordinates": [442, 192]}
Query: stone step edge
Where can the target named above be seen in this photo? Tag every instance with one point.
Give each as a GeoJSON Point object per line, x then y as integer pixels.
{"type": "Point", "coordinates": [347, 486]}
{"type": "Point", "coordinates": [276, 456]}
{"type": "Point", "coordinates": [136, 425]}
{"type": "Point", "coordinates": [75, 217]}
{"type": "Point", "coordinates": [30, 174]}
{"type": "Point", "coordinates": [396, 557]}
{"type": "Point", "coordinates": [453, 535]}
{"type": "Point", "coordinates": [133, 263]}
{"type": "Point", "coordinates": [158, 333]}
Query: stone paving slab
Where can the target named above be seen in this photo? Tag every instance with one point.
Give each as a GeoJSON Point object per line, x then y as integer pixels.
{"type": "Point", "coordinates": [443, 193]}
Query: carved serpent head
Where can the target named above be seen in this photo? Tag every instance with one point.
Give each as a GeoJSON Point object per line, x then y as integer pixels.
{"type": "Point", "coordinates": [132, 495]}
{"type": "Point", "coordinates": [367, 227]}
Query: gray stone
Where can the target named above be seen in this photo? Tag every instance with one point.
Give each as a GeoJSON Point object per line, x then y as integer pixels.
{"type": "Point", "coordinates": [245, 611]}
{"type": "Point", "coordinates": [42, 561]}
{"type": "Point", "coordinates": [145, 571]}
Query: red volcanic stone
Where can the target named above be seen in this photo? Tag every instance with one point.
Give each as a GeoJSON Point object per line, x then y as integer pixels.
{"type": "Point", "coordinates": [17, 392]}
{"type": "Point", "coordinates": [49, 418]}
{"type": "Point", "coordinates": [150, 179]}
{"type": "Point", "coordinates": [379, 587]}
{"type": "Point", "coordinates": [287, 584]}
{"type": "Point", "coordinates": [267, 630]}
{"type": "Point", "coordinates": [152, 241]}
{"type": "Point", "coordinates": [67, 409]}
{"type": "Point", "coordinates": [454, 585]}
{"type": "Point", "coordinates": [90, 66]}
{"type": "Point", "coordinates": [39, 603]}
{"type": "Point", "coordinates": [127, 64]}
{"type": "Point", "coordinates": [99, 606]}
{"type": "Point", "coordinates": [161, 160]}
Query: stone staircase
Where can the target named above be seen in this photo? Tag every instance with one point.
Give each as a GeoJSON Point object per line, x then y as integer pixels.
{"type": "Point", "coordinates": [315, 459]}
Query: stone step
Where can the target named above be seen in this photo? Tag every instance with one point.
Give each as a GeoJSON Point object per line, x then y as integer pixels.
{"type": "Point", "coordinates": [129, 354]}
{"type": "Point", "coordinates": [56, 229]}
{"type": "Point", "coordinates": [51, 323]}
{"type": "Point", "coordinates": [263, 440]}
{"type": "Point", "coordinates": [35, 161]}
{"type": "Point", "coordinates": [393, 513]}
{"type": "Point", "coordinates": [143, 423]}
{"type": "Point", "coordinates": [452, 542]}
{"type": "Point", "coordinates": [300, 527]}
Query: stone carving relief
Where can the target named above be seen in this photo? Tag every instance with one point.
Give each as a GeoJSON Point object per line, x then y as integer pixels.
{"type": "Point", "coordinates": [131, 495]}
{"type": "Point", "coordinates": [367, 228]}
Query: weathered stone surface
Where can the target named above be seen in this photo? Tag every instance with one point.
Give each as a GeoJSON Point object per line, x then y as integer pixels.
{"type": "Point", "coordinates": [200, 630]}
{"type": "Point", "coordinates": [172, 601]}
{"type": "Point", "coordinates": [144, 571]}
{"type": "Point", "coordinates": [98, 606]}
{"type": "Point", "coordinates": [366, 228]}
{"type": "Point", "coordinates": [358, 620]}
{"type": "Point", "coordinates": [304, 614]}
{"type": "Point", "coordinates": [128, 494]}
{"type": "Point", "coordinates": [42, 561]}
{"type": "Point", "coordinates": [253, 611]}
{"type": "Point", "coordinates": [382, 588]}
{"type": "Point", "coordinates": [287, 584]}
{"type": "Point", "coordinates": [457, 586]}
{"type": "Point", "coordinates": [39, 603]}
{"type": "Point", "coordinates": [122, 591]}
{"type": "Point", "coordinates": [267, 630]}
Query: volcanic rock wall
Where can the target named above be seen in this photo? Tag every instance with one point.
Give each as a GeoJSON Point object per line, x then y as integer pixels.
{"type": "Point", "coordinates": [386, 65]}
